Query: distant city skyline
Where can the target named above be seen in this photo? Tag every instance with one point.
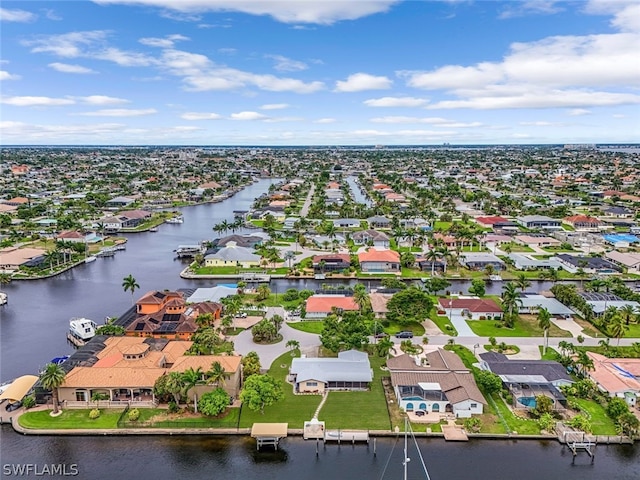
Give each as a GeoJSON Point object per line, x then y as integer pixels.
{"type": "Point", "coordinates": [343, 72]}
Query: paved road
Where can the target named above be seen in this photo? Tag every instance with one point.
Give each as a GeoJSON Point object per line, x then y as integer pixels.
{"type": "Point", "coordinates": [304, 211]}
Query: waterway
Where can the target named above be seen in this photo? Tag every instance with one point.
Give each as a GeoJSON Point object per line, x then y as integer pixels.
{"type": "Point", "coordinates": [356, 192]}
{"type": "Point", "coordinates": [33, 327]}
{"type": "Point", "coordinates": [222, 458]}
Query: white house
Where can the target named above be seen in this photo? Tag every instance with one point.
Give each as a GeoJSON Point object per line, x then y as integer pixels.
{"type": "Point", "coordinates": [350, 371]}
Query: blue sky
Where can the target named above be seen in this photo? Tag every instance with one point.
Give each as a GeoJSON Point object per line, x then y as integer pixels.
{"type": "Point", "coordinates": [342, 72]}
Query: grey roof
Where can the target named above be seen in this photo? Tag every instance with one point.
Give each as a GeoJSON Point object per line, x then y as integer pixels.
{"type": "Point", "coordinates": [480, 257]}
{"type": "Point", "coordinates": [536, 218]}
{"type": "Point", "coordinates": [523, 261]}
{"type": "Point", "coordinates": [554, 306]}
{"type": "Point", "coordinates": [350, 366]}
{"type": "Point", "coordinates": [234, 253]}
{"type": "Point", "coordinates": [501, 365]}
{"type": "Point", "coordinates": [212, 294]}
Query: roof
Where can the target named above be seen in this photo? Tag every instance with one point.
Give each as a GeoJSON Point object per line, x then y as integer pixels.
{"type": "Point", "coordinates": [350, 366]}
{"type": "Point", "coordinates": [438, 360]}
{"type": "Point", "coordinates": [230, 363]}
{"type": "Point", "coordinates": [457, 387]}
{"type": "Point", "coordinates": [492, 220]}
{"type": "Point", "coordinates": [472, 304]}
{"type": "Point", "coordinates": [211, 294]}
{"type": "Point", "coordinates": [234, 253]}
{"type": "Point", "coordinates": [375, 255]}
{"type": "Point", "coordinates": [379, 302]}
{"type": "Point", "coordinates": [19, 388]}
{"type": "Point", "coordinates": [501, 365]}
{"type": "Point", "coordinates": [156, 297]}
{"type": "Point", "coordinates": [332, 257]}
{"type": "Point", "coordinates": [582, 219]}
{"type": "Point", "coordinates": [112, 377]}
{"type": "Point", "coordinates": [615, 375]}
{"type": "Point", "coordinates": [324, 303]}
{"type": "Point", "coordinates": [626, 259]}
{"type": "Point", "coordinates": [551, 304]}
{"type": "Point", "coordinates": [269, 429]}
{"type": "Point", "coordinates": [480, 257]}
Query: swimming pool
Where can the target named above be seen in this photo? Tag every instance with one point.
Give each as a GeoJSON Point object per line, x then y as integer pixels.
{"type": "Point", "coordinates": [528, 401]}
{"type": "Point", "coordinates": [413, 399]}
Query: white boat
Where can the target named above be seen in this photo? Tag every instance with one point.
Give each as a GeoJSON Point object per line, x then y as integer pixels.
{"type": "Point", "coordinates": [90, 258]}
{"type": "Point", "coordinates": [82, 328]}
{"type": "Point", "coordinates": [176, 220]}
{"type": "Point", "coordinates": [153, 229]}
{"type": "Point", "coordinates": [4, 298]}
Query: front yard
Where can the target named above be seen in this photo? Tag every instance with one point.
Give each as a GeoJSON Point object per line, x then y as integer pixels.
{"type": "Point", "coordinates": [526, 326]}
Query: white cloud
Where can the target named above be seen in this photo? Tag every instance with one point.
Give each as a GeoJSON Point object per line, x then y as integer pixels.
{"type": "Point", "coordinates": [283, 119]}
{"type": "Point", "coordinates": [359, 82]}
{"type": "Point", "coordinates": [325, 120]}
{"type": "Point", "coordinates": [28, 101]}
{"type": "Point", "coordinates": [318, 12]}
{"type": "Point", "coordinates": [454, 76]}
{"type": "Point", "coordinates": [201, 74]}
{"type": "Point", "coordinates": [166, 42]}
{"type": "Point", "coordinates": [124, 58]}
{"type": "Point", "coordinates": [284, 64]}
{"type": "Point", "coordinates": [248, 116]}
{"type": "Point", "coordinates": [51, 14]}
{"type": "Point", "coordinates": [4, 75]}
{"type": "Point", "coordinates": [541, 123]}
{"type": "Point", "coordinates": [67, 44]}
{"type": "Point", "coordinates": [120, 112]}
{"type": "Point", "coordinates": [16, 15]}
{"type": "Point", "coordinates": [30, 132]}
{"type": "Point", "coordinates": [102, 100]}
{"type": "Point", "coordinates": [435, 121]}
{"type": "Point", "coordinates": [530, 7]}
{"type": "Point", "coordinates": [626, 13]}
{"type": "Point", "coordinates": [396, 102]}
{"type": "Point", "coordinates": [68, 68]}
{"type": "Point", "coordinates": [200, 116]}
{"type": "Point", "coordinates": [274, 106]}
{"type": "Point", "coordinates": [576, 112]}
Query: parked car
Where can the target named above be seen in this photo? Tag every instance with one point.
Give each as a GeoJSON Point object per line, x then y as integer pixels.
{"type": "Point", "coordinates": [381, 335]}
{"type": "Point", "coordinates": [13, 406]}
{"type": "Point", "coordinates": [404, 334]}
{"type": "Point", "coordinates": [241, 315]}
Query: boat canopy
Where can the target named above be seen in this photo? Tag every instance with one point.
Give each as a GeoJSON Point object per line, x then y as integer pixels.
{"type": "Point", "coordinates": [19, 388]}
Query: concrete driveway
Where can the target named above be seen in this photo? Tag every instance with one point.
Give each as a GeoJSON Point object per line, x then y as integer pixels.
{"type": "Point", "coordinates": [243, 344]}
{"type": "Point", "coordinates": [461, 325]}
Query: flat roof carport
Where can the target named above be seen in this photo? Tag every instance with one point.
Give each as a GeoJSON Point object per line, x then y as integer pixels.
{"type": "Point", "coordinates": [19, 388]}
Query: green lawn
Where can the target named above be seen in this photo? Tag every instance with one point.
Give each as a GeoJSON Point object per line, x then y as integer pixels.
{"type": "Point", "coordinates": [600, 422]}
{"type": "Point", "coordinates": [363, 410]}
{"type": "Point", "coordinates": [523, 426]}
{"type": "Point", "coordinates": [393, 327]}
{"type": "Point", "coordinates": [525, 327]}
{"type": "Point", "coordinates": [443, 323]}
{"type": "Point", "coordinates": [70, 419]}
{"type": "Point", "coordinates": [442, 226]}
{"type": "Point", "coordinates": [550, 354]}
{"type": "Point", "coordinates": [293, 409]}
{"type": "Point", "coordinates": [308, 326]}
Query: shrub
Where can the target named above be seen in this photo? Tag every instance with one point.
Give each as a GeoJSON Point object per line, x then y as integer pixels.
{"type": "Point", "coordinates": [509, 399]}
{"type": "Point", "coordinates": [546, 422]}
{"type": "Point", "coordinates": [29, 402]}
{"type": "Point", "coordinates": [290, 295]}
{"type": "Point", "coordinates": [493, 341]}
{"type": "Point", "coordinates": [93, 414]}
{"type": "Point", "coordinates": [173, 407]}
{"type": "Point", "coordinates": [473, 424]}
{"type": "Point", "coordinates": [133, 415]}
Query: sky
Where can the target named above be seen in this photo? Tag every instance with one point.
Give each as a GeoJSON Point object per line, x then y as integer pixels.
{"type": "Point", "coordinates": [339, 72]}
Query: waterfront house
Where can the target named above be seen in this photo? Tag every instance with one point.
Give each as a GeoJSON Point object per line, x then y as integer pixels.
{"type": "Point", "coordinates": [125, 369]}
{"type": "Point", "coordinates": [346, 223]}
{"type": "Point", "coordinates": [318, 307]}
{"type": "Point", "coordinates": [532, 302]}
{"type": "Point", "coordinates": [526, 379]}
{"type": "Point", "coordinates": [12, 258]}
{"type": "Point", "coordinates": [617, 377]}
{"type": "Point", "coordinates": [232, 255]}
{"type": "Point", "coordinates": [535, 222]}
{"type": "Point", "coordinates": [379, 261]}
{"type": "Point", "coordinates": [527, 262]}
{"type": "Point", "coordinates": [119, 202]}
{"type": "Point", "coordinates": [436, 382]}
{"type": "Point", "coordinates": [379, 303]}
{"type": "Point", "coordinates": [335, 262]}
{"type": "Point", "coordinates": [480, 261]}
{"type": "Point", "coordinates": [630, 261]}
{"type": "Point", "coordinates": [246, 241]}
{"type": "Point", "coordinates": [372, 238]}
{"type": "Point", "coordinates": [595, 265]}
{"type": "Point", "coordinates": [471, 307]}
{"type": "Point", "coordinates": [379, 222]}
{"type": "Point", "coordinates": [537, 240]}
{"type": "Point", "coordinates": [350, 371]}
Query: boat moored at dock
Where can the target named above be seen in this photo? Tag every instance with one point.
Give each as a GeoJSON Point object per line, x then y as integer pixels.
{"type": "Point", "coordinates": [81, 330]}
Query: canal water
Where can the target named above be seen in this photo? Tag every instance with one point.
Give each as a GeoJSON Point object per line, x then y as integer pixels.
{"type": "Point", "coordinates": [233, 457]}
{"type": "Point", "coordinates": [33, 330]}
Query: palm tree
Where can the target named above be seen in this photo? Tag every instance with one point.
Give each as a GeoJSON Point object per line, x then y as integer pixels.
{"type": "Point", "coordinates": [293, 345]}
{"type": "Point", "coordinates": [521, 282]}
{"type": "Point", "coordinates": [216, 374]}
{"type": "Point", "coordinates": [129, 284]}
{"type": "Point", "coordinates": [627, 312]}
{"type": "Point", "coordinates": [190, 378]}
{"type": "Point", "coordinates": [510, 301]}
{"type": "Point", "coordinates": [617, 328]}
{"type": "Point", "coordinates": [51, 379]}
{"type": "Point", "coordinates": [175, 385]}
{"type": "Point", "coordinates": [288, 256]}
{"type": "Point", "coordinates": [5, 278]}
{"type": "Point", "coordinates": [544, 322]}
{"type": "Point", "coordinates": [361, 298]}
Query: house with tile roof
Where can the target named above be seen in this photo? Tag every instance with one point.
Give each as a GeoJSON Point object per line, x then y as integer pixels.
{"type": "Point", "coordinates": [379, 261]}
{"type": "Point", "coordinates": [318, 307]}
{"type": "Point", "coordinates": [350, 371]}
{"type": "Point", "coordinates": [436, 382]}
{"type": "Point", "coordinates": [232, 255]}
{"type": "Point", "coordinates": [583, 223]}
{"type": "Point", "coordinates": [125, 369]}
{"type": "Point", "coordinates": [472, 307]}
{"type": "Point", "coordinates": [618, 377]}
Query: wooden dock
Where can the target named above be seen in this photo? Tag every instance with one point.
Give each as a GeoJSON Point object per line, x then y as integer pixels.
{"type": "Point", "coordinates": [75, 340]}
{"type": "Point", "coordinates": [454, 433]}
{"type": "Point", "coordinates": [352, 436]}
{"type": "Point", "coordinates": [269, 433]}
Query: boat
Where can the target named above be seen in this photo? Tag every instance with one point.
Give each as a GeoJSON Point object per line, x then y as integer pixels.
{"type": "Point", "coordinates": [59, 360]}
{"type": "Point", "coordinates": [120, 246]}
{"type": "Point", "coordinates": [495, 278]}
{"type": "Point", "coordinates": [176, 220]}
{"type": "Point", "coordinates": [153, 229]}
{"type": "Point", "coordinates": [82, 330]}
{"type": "Point", "coordinates": [90, 258]}
{"type": "Point", "coordinates": [4, 298]}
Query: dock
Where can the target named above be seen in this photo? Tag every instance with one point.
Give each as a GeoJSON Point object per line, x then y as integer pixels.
{"type": "Point", "coordinates": [352, 436]}
{"type": "Point", "coordinates": [188, 251]}
{"type": "Point", "coordinates": [255, 278]}
{"type": "Point", "coordinates": [269, 433]}
{"type": "Point", "coordinates": [75, 340]}
{"type": "Point", "coordinates": [454, 433]}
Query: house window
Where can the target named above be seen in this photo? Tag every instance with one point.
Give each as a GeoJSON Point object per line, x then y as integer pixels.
{"type": "Point", "coordinates": [81, 396]}
{"type": "Point", "coordinates": [312, 384]}
{"type": "Point", "coordinates": [474, 405]}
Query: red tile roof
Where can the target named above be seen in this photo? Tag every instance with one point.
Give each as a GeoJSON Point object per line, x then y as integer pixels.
{"type": "Point", "coordinates": [324, 303]}
{"type": "Point", "coordinates": [477, 305]}
{"type": "Point", "coordinates": [373, 255]}
{"type": "Point", "coordinates": [491, 220]}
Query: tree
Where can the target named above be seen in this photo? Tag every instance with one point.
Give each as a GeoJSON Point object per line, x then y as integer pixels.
{"type": "Point", "coordinates": [488, 381]}
{"type": "Point", "coordinates": [409, 305]}
{"type": "Point", "coordinates": [215, 402]}
{"type": "Point", "coordinates": [617, 328]}
{"type": "Point", "coordinates": [293, 345]}
{"type": "Point", "coordinates": [361, 298]}
{"type": "Point", "coordinates": [5, 278]}
{"type": "Point", "coordinates": [435, 284]}
{"type": "Point", "coordinates": [383, 347]}
{"type": "Point", "coordinates": [521, 282]}
{"type": "Point", "coordinates": [51, 379]}
{"type": "Point", "coordinates": [250, 365]}
{"type": "Point", "coordinates": [175, 386]}
{"type": "Point", "coordinates": [261, 391]}
{"type": "Point", "coordinates": [477, 287]}
{"type": "Point", "coordinates": [216, 374]}
{"type": "Point", "coordinates": [510, 302]}
{"type": "Point", "coordinates": [616, 407]}
{"type": "Point", "coordinates": [543, 405]}
{"type": "Point", "coordinates": [544, 322]}
{"type": "Point", "coordinates": [263, 291]}
{"type": "Point", "coordinates": [129, 284]}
